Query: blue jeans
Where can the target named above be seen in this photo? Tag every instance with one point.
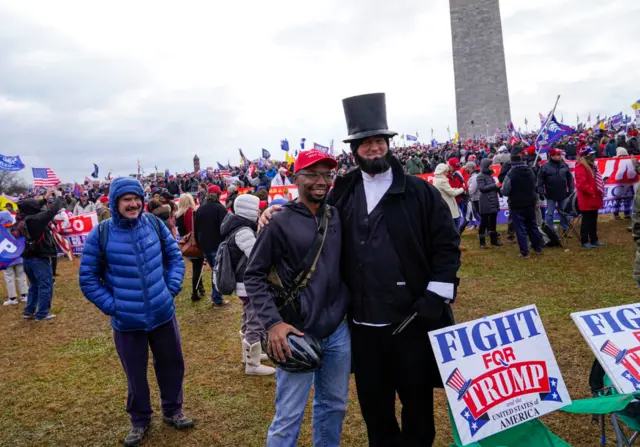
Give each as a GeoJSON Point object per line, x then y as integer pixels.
{"type": "Point", "coordinates": [551, 209]}
{"type": "Point", "coordinates": [524, 222]}
{"type": "Point", "coordinates": [216, 296]}
{"type": "Point", "coordinates": [40, 276]}
{"type": "Point", "coordinates": [331, 389]}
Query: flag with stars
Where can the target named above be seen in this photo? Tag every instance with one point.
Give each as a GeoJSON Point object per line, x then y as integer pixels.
{"type": "Point", "coordinates": [475, 424]}
{"type": "Point", "coordinates": [553, 394]}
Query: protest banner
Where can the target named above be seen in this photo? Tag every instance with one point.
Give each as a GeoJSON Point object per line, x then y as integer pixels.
{"type": "Point", "coordinates": [76, 230]}
{"type": "Point", "coordinates": [613, 334]}
{"type": "Point", "coordinates": [499, 371]}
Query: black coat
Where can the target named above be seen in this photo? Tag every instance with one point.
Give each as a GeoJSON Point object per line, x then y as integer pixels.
{"type": "Point", "coordinates": [37, 225]}
{"type": "Point", "coordinates": [421, 229]}
{"type": "Point", "coordinates": [208, 219]}
{"type": "Point", "coordinates": [520, 186]}
{"type": "Point", "coordinates": [555, 180]}
{"type": "Point", "coordinates": [489, 201]}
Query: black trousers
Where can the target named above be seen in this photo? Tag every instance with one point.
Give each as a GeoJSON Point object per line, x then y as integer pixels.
{"type": "Point", "coordinates": [385, 364]}
{"type": "Point", "coordinates": [54, 265]}
{"type": "Point", "coordinates": [589, 227]}
{"type": "Point", "coordinates": [488, 223]}
{"type": "Point", "coordinates": [197, 270]}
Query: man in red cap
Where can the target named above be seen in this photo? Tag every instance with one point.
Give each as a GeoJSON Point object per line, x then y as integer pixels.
{"type": "Point", "coordinates": [300, 253]}
{"type": "Point", "coordinates": [400, 257]}
{"type": "Point", "coordinates": [555, 182]}
{"type": "Point", "coordinates": [208, 219]}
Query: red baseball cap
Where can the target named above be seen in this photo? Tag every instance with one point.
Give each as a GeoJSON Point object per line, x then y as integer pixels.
{"type": "Point", "coordinates": [555, 151]}
{"type": "Point", "coordinates": [103, 199]}
{"type": "Point", "coordinates": [312, 157]}
{"type": "Point", "coordinates": [454, 162]}
{"type": "Point", "coordinates": [213, 189]}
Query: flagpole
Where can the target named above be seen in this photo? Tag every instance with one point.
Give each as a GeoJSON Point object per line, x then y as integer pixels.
{"type": "Point", "coordinates": [544, 126]}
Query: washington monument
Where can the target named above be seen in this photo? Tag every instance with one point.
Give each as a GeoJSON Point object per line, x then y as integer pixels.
{"type": "Point", "coordinates": [482, 94]}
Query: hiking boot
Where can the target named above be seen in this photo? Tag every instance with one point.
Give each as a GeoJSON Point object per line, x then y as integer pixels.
{"type": "Point", "coordinates": [10, 301]}
{"type": "Point", "coordinates": [493, 236]}
{"type": "Point", "coordinates": [222, 304]}
{"type": "Point", "coordinates": [179, 421]}
{"type": "Point", "coordinates": [135, 436]}
{"type": "Point", "coordinates": [48, 317]}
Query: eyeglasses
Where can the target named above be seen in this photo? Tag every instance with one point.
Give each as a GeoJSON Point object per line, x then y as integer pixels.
{"type": "Point", "coordinates": [315, 176]}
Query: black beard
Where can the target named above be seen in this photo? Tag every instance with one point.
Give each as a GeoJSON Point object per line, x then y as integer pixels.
{"type": "Point", "coordinates": [311, 198]}
{"type": "Point", "coordinates": [374, 166]}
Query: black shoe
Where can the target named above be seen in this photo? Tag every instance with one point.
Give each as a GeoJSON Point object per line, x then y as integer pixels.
{"type": "Point", "coordinates": [195, 297]}
{"type": "Point", "coordinates": [179, 421]}
{"type": "Point", "coordinates": [493, 236]}
{"type": "Point", "coordinates": [616, 217]}
{"type": "Point", "coordinates": [135, 436]}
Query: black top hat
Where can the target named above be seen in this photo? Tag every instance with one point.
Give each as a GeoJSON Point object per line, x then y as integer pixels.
{"type": "Point", "coordinates": [366, 116]}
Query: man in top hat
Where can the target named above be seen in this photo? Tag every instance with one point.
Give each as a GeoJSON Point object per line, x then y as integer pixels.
{"type": "Point", "coordinates": [400, 257]}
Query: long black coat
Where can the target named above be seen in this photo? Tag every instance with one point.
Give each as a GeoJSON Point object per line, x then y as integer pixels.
{"type": "Point", "coordinates": [208, 219]}
{"type": "Point", "coordinates": [421, 230]}
{"type": "Point", "coordinates": [489, 201]}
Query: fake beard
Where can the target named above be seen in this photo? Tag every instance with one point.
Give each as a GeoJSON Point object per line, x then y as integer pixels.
{"type": "Point", "coordinates": [373, 166]}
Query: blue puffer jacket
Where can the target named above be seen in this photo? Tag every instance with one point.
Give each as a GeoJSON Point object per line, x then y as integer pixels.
{"type": "Point", "coordinates": [138, 291]}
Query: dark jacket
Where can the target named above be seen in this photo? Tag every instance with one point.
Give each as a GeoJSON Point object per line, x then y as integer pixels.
{"type": "Point", "coordinates": [555, 180]}
{"type": "Point", "coordinates": [520, 186]}
{"type": "Point", "coordinates": [571, 151]}
{"type": "Point", "coordinates": [422, 232]}
{"type": "Point", "coordinates": [37, 225]}
{"type": "Point", "coordinates": [504, 170]}
{"type": "Point", "coordinates": [173, 188]}
{"type": "Point", "coordinates": [325, 299]}
{"type": "Point", "coordinates": [208, 220]}
{"type": "Point", "coordinates": [610, 149]}
{"type": "Point", "coordinates": [486, 184]}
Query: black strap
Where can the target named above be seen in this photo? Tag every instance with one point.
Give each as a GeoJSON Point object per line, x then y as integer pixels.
{"type": "Point", "coordinates": [309, 260]}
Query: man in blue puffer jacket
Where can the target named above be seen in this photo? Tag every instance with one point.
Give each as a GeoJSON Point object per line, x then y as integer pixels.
{"type": "Point", "coordinates": [142, 275]}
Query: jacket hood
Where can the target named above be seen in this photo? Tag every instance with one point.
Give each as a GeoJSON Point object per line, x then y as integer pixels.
{"type": "Point", "coordinates": [120, 187]}
{"type": "Point", "coordinates": [485, 166]}
{"type": "Point", "coordinates": [29, 207]}
{"type": "Point", "coordinates": [232, 221]}
{"type": "Point", "coordinates": [440, 169]}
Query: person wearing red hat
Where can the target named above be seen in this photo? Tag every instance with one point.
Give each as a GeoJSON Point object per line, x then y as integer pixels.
{"type": "Point", "coordinates": [555, 182]}
{"type": "Point", "coordinates": [457, 181]}
{"type": "Point", "coordinates": [102, 208]}
{"type": "Point", "coordinates": [590, 188]}
{"type": "Point", "coordinates": [400, 257]}
{"type": "Point", "coordinates": [300, 252]}
{"type": "Point", "coordinates": [208, 219]}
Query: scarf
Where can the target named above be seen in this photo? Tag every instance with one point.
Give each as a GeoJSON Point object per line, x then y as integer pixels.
{"type": "Point", "coordinates": [599, 180]}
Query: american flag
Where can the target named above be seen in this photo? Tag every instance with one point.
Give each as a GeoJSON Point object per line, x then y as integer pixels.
{"type": "Point", "coordinates": [44, 177]}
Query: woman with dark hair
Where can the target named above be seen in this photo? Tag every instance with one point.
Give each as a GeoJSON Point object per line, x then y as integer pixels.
{"type": "Point", "coordinates": [489, 204]}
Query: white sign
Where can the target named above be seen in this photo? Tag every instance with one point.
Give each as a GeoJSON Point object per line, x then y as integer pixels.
{"type": "Point", "coordinates": [613, 334]}
{"type": "Point", "coordinates": [498, 371]}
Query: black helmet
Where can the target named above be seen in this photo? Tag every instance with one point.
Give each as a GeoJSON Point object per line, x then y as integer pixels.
{"type": "Point", "coordinates": [306, 354]}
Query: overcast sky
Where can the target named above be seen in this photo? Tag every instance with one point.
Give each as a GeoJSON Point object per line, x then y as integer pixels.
{"type": "Point", "coordinates": [112, 82]}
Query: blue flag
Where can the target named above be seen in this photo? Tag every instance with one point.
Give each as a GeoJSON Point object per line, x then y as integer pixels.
{"type": "Point", "coordinates": [320, 147]}
{"type": "Point", "coordinates": [551, 132]}
{"type": "Point", "coordinates": [302, 140]}
{"type": "Point", "coordinates": [220, 166]}
{"type": "Point", "coordinates": [616, 120]}
{"type": "Point", "coordinates": [166, 175]}
{"type": "Point", "coordinates": [77, 190]}
{"type": "Point", "coordinates": [10, 247]}
{"type": "Point", "coordinates": [411, 138]}
{"type": "Point", "coordinates": [95, 171]}
{"type": "Point", "coordinates": [434, 143]}
{"type": "Point", "coordinates": [9, 163]}
{"type": "Point", "coordinates": [344, 153]}
{"type": "Point", "coordinates": [284, 145]}
{"type": "Point", "coordinates": [266, 154]}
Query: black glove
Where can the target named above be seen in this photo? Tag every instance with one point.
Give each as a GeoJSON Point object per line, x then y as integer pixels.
{"type": "Point", "coordinates": [430, 306]}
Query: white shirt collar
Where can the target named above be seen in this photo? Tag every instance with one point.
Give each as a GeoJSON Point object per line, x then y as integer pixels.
{"type": "Point", "coordinates": [378, 178]}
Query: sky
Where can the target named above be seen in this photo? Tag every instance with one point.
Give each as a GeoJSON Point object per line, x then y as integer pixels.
{"type": "Point", "coordinates": [85, 82]}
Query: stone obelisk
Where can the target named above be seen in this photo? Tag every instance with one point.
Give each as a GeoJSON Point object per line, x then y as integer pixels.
{"type": "Point", "coordinates": [482, 94]}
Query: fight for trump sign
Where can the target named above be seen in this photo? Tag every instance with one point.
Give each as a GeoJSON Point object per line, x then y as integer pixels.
{"type": "Point", "coordinates": [498, 371]}
{"type": "Point", "coordinates": [613, 334]}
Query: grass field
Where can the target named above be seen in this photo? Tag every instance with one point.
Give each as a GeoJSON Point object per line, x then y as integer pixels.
{"type": "Point", "coordinates": [61, 382]}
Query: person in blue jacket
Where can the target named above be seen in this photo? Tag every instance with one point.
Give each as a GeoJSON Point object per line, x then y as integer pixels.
{"type": "Point", "coordinates": [134, 280]}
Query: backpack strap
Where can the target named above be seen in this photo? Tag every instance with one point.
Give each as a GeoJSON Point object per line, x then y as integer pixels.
{"type": "Point", "coordinates": [103, 240]}
{"type": "Point", "coordinates": [155, 223]}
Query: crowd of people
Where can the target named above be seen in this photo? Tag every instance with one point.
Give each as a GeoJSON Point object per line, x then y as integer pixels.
{"type": "Point", "coordinates": [370, 268]}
